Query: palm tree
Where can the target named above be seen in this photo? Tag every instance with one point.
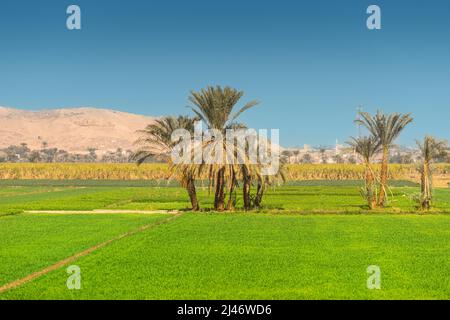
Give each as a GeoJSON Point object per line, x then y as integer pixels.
{"type": "Point", "coordinates": [385, 129]}
{"type": "Point", "coordinates": [253, 174]}
{"type": "Point", "coordinates": [264, 181]}
{"type": "Point", "coordinates": [367, 147]}
{"type": "Point", "coordinates": [214, 106]}
{"type": "Point", "coordinates": [430, 149]}
{"type": "Point", "coordinates": [156, 143]}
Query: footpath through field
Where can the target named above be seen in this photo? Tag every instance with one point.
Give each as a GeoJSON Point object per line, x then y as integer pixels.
{"type": "Point", "coordinates": [104, 211]}
{"type": "Point", "coordinates": [73, 258]}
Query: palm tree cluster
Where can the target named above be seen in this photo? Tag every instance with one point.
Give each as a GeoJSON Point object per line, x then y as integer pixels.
{"type": "Point", "coordinates": [384, 130]}
{"type": "Point", "coordinates": [214, 106]}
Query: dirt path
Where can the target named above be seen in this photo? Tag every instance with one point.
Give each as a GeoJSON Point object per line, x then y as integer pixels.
{"type": "Point", "coordinates": [104, 211]}
{"type": "Point", "coordinates": [73, 258]}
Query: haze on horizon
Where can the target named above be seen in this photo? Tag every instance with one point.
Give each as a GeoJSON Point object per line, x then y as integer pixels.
{"type": "Point", "coordinates": [310, 63]}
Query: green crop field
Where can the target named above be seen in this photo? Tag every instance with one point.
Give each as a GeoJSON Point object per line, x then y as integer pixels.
{"type": "Point", "coordinates": [311, 241]}
{"type": "Point", "coordinates": [314, 196]}
{"type": "Point", "coordinates": [31, 242]}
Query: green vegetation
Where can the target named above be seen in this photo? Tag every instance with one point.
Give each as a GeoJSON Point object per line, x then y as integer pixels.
{"type": "Point", "coordinates": [250, 256]}
{"type": "Point", "coordinates": [173, 183]}
{"type": "Point", "coordinates": [31, 242]}
{"type": "Point", "coordinates": [311, 197]}
{"type": "Point", "coordinates": [312, 241]}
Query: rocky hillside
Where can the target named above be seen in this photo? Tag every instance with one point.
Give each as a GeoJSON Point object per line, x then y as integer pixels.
{"type": "Point", "coordinates": [74, 129]}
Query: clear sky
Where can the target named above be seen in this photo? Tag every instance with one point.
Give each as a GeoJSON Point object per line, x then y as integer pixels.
{"type": "Point", "coordinates": [310, 63]}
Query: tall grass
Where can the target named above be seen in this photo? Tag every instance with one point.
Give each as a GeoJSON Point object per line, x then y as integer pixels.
{"type": "Point", "coordinates": [83, 171]}
{"type": "Point", "coordinates": [354, 171]}
{"type": "Point", "coordinates": [102, 171]}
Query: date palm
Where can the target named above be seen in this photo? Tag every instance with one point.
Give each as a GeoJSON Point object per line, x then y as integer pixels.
{"type": "Point", "coordinates": [155, 142]}
{"type": "Point", "coordinates": [385, 129]}
{"type": "Point", "coordinates": [430, 149]}
{"type": "Point", "coordinates": [262, 182]}
{"type": "Point", "coordinates": [214, 106]}
{"type": "Point", "coordinates": [367, 147]}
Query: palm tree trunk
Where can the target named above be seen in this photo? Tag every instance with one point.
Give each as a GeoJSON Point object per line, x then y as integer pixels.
{"type": "Point", "coordinates": [246, 193]}
{"type": "Point", "coordinates": [383, 177]}
{"type": "Point", "coordinates": [233, 184]}
{"type": "Point", "coordinates": [219, 198]}
{"type": "Point", "coordinates": [422, 180]}
{"type": "Point", "coordinates": [425, 187]}
{"type": "Point", "coordinates": [190, 187]}
{"type": "Point", "coordinates": [371, 196]}
{"type": "Point", "coordinates": [259, 195]}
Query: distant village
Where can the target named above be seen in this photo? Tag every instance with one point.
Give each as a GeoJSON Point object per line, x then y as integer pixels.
{"type": "Point", "coordinates": [306, 154]}
{"type": "Point", "coordinates": [345, 154]}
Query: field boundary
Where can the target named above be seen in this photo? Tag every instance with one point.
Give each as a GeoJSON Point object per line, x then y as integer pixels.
{"type": "Point", "coordinates": [166, 183]}
{"type": "Point", "coordinates": [61, 263]}
{"type": "Point", "coordinates": [101, 211]}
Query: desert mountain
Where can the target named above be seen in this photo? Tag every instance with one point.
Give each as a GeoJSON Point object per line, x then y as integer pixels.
{"type": "Point", "coordinates": [74, 129]}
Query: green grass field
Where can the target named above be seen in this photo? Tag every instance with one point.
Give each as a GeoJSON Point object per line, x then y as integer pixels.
{"type": "Point", "coordinates": [308, 242]}
{"type": "Point", "coordinates": [31, 242]}
{"type": "Point", "coordinates": [317, 196]}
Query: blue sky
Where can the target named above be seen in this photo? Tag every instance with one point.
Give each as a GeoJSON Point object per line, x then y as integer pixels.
{"type": "Point", "coordinates": [310, 63]}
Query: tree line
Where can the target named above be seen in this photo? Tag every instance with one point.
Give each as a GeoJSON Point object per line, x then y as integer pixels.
{"type": "Point", "coordinates": [22, 153]}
